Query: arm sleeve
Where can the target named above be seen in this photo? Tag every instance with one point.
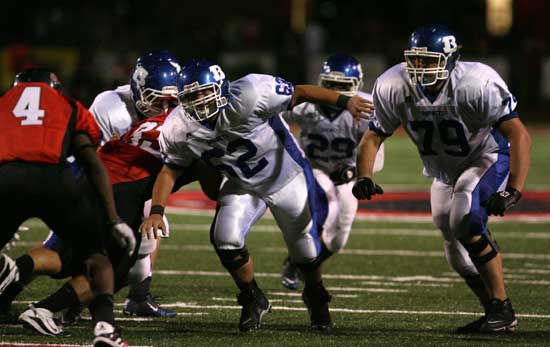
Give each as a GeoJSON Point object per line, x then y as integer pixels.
{"type": "Point", "coordinates": [175, 154]}
{"type": "Point", "coordinates": [498, 104]}
{"type": "Point", "coordinates": [266, 95]}
{"type": "Point", "coordinates": [385, 120]}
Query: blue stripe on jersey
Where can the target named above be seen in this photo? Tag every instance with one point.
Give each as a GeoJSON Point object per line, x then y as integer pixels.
{"type": "Point", "coordinates": [503, 145]}
{"type": "Point", "coordinates": [511, 115]}
{"type": "Point", "coordinates": [489, 183]}
{"type": "Point", "coordinates": [378, 130]}
{"type": "Point", "coordinates": [51, 241]}
{"type": "Point", "coordinates": [317, 200]}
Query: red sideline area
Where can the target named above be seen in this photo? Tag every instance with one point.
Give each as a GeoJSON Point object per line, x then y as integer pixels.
{"type": "Point", "coordinates": [535, 206]}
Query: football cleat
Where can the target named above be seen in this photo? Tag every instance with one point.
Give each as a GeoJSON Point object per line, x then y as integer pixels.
{"type": "Point", "coordinates": [255, 305]}
{"type": "Point", "coordinates": [71, 316]}
{"type": "Point", "coordinates": [316, 300]}
{"type": "Point", "coordinates": [290, 277]}
{"type": "Point", "coordinates": [41, 321]}
{"type": "Point", "coordinates": [107, 335]}
{"type": "Point", "coordinates": [9, 272]}
{"type": "Point", "coordinates": [500, 317]}
{"type": "Point", "coordinates": [146, 308]}
{"type": "Point", "coordinates": [471, 328]}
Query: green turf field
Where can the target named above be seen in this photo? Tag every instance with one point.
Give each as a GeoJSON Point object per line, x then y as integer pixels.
{"type": "Point", "coordinates": [392, 287]}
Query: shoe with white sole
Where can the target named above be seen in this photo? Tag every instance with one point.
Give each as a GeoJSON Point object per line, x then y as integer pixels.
{"type": "Point", "coordinates": [41, 321]}
{"type": "Point", "coordinates": [106, 335]}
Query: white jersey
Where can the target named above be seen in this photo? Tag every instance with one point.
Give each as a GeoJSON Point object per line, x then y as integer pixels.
{"type": "Point", "coordinates": [456, 128]}
{"type": "Point", "coordinates": [250, 142]}
{"type": "Point", "coordinates": [114, 112]}
{"type": "Point", "coordinates": [330, 143]}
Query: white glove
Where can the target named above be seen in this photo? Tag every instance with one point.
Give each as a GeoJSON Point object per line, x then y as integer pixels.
{"type": "Point", "coordinates": [124, 235]}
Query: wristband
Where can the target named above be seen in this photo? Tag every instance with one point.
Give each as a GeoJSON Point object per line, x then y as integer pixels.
{"type": "Point", "coordinates": [157, 209]}
{"type": "Point", "coordinates": [342, 101]}
{"type": "Point", "coordinates": [115, 221]}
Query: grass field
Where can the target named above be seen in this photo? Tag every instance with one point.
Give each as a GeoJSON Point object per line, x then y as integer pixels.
{"type": "Point", "coordinates": [391, 286]}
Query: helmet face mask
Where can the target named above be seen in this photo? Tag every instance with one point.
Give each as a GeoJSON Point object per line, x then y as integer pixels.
{"type": "Point", "coordinates": [155, 82]}
{"type": "Point", "coordinates": [432, 55]}
{"type": "Point", "coordinates": [205, 90]}
{"type": "Point", "coordinates": [342, 73]}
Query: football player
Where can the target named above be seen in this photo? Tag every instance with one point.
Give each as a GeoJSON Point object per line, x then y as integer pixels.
{"type": "Point", "coordinates": [463, 120]}
{"type": "Point", "coordinates": [236, 128]}
{"type": "Point", "coordinates": [329, 137]}
{"type": "Point", "coordinates": [133, 161]}
{"type": "Point", "coordinates": [40, 129]}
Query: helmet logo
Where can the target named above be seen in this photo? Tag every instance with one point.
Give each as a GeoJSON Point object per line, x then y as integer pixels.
{"type": "Point", "coordinates": [449, 44]}
{"type": "Point", "coordinates": [140, 75]}
{"type": "Point", "coordinates": [217, 72]}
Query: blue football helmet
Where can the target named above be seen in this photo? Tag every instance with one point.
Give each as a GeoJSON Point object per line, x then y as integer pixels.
{"type": "Point", "coordinates": [342, 73]}
{"type": "Point", "coordinates": [154, 82]}
{"type": "Point", "coordinates": [205, 89]}
{"type": "Point", "coordinates": [432, 54]}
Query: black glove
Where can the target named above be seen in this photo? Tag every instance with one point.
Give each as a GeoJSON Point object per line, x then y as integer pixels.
{"type": "Point", "coordinates": [343, 175]}
{"type": "Point", "coordinates": [365, 188]}
{"type": "Point", "coordinates": [499, 202]}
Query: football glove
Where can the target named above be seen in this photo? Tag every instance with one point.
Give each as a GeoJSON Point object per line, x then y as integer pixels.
{"type": "Point", "coordinates": [123, 235]}
{"type": "Point", "coordinates": [365, 188]}
{"type": "Point", "coordinates": [501, 201]}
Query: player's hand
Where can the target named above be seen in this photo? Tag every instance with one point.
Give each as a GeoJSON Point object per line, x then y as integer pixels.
{"type": "Point", "coordinates": [151, 226]}
{"type": "Point", "coordinates": [124, 235]}
{"type": "Point", "coordinates": [365, 188]}
{"type": "Point", "coordinates": [114, 136]}
{"type": "Point", "coordinates": [360, 108]}
{"type": "Point", "coordinates": [501, 201]}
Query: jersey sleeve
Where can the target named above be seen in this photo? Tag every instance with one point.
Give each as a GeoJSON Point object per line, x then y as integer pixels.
{"type": "Point", "coordinates": [111, 115]}
{"type": "Point", "coordinates": [385, 120]}
{"type": "Point", "coordinates": [498, 104]}
{"type": "Point", "coordinates": [85, 123]}
{"type": "Point", "coordinates": [175, 152]}
{"type": "Point", "coordinates": [264, 95]}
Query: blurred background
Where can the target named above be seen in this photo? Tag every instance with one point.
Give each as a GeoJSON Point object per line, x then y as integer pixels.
{"type": "Point", "coordinates": [93, 44]}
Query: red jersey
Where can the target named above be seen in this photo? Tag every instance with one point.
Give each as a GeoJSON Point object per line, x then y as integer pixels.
{"type": "Point", "coordinates": [37, 124]}
{"type": "Point", "coordinates": [136, 155]}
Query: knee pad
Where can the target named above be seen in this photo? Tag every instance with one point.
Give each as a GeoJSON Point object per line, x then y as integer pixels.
{"type": "Point", "coordinates": [232, 259]}
{"type": "Point", "coordinates": [474, 249]}
{"type": "Point", "coordinates": [147, 246]}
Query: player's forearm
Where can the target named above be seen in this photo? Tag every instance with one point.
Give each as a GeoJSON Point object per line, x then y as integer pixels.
{"type": "Point", "coordinates": [99, 177]}
{"type": "Point", "coordinates": [163, 185]}
{"type": "Point", "coordinates": [520, 158]}
{"type": "Point", "coordinates": [366, 153]}
{"type": "Point", "coordinates": [313, 94]}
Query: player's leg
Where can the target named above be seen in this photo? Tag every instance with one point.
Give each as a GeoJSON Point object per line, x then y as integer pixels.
{"type": "Point", "coordinates": [290, 277]}
{"type": "Point", "coordinates": [441, 202]}
{"type": "Point", "coordinates": [237, 211]}
{"type": "Point", "coordinates": [468, 222]}
{"type": "Point", "coordinates": [300, 209]}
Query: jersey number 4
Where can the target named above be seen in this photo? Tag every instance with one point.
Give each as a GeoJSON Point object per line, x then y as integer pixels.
{"type": "Point", "coordinates": [451, 133]}
{"type": "Point", "coordinates": [28, 107]}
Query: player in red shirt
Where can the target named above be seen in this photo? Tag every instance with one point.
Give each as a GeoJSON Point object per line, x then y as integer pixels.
{"type": "Point", "coordinates": [40, 128]}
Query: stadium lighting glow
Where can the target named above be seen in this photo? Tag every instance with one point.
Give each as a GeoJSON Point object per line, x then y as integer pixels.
{"type": "Point", "coordinates": [499, 16]}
